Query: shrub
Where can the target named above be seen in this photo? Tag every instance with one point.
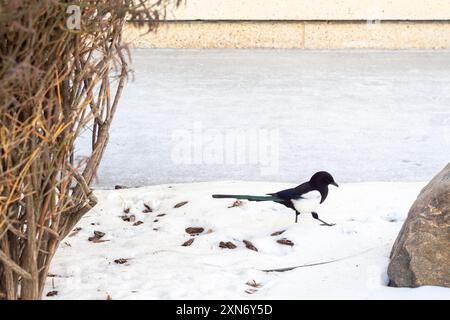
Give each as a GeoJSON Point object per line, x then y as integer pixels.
{"type": "Point", "coordinates": [55, 81]}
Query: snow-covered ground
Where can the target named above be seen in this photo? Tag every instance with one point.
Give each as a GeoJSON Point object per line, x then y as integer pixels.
{"type": "Point", "coordinates": [362, 115]}
{"type": "Point", "coordinates": [155, 265]}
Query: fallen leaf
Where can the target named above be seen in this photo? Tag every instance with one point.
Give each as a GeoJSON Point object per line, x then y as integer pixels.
{"type": "Point", "coordinates": [156, 220]}
{"type": "Point", "coordinates": [97, 236]}
{"type": "Point", "coordinates": [188, 243]}
{"type": "Point", "coordinates": [121, 261]}
{"type": "Point", "coordinates": [249, 245]}
{"type": "Point", "coordinates": [131, 218]}
{"type": "Point", "coordinates": [52, 293]}
{"type": "Point", "coordinates": [119, 186]}
{"type": "Point", "coordinates": [147, 208]}
{"type": "Point", "coordinates": [194, 230]}
{"type": "Point", "coordinates": [254, 284]}
{"type": "Point", "coordinates": [161, 215]}
{"type": "Point", "coordinates": [126, 210]}
{"type": "Point", "coordinates": [180, 204]}
{"type": "Point", "coordinates": [138, 223]}
{"type": "Point", "coordinates": [250, 291]}
{"type": "Point", "coordinates": [277, 233]}
{"type": "Point", "coordinates": [237, 203]}
{"type": "Point", "coordinates": [99, 240]}
{"type": "Point", "coordinates": [75, 231]}
{"type": "Point", "coordinates": [227, 245]}
{"type": "Point", "coordinates": [285, 242]}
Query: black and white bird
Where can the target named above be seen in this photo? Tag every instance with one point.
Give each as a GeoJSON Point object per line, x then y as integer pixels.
{"type": "Point", "coordinates": [305, 198]}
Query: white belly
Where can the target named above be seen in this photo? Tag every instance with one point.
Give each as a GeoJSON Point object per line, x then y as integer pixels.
{"type": "Point", "coordinates": [308, 203]}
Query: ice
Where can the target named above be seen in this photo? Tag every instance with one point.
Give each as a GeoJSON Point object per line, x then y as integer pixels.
{"type": "Point", "coordinates": [361, 115]}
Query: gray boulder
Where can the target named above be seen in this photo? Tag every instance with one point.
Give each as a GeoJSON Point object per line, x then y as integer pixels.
{"type": "Point", "coordinates": [421, 253]}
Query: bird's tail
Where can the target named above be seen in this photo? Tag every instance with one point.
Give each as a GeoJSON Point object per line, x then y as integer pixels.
{"type": "Point", "coordinates": [246, 197]}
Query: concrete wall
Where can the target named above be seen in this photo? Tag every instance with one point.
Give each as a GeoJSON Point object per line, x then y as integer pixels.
{"type": "Point", "coordinates": [312, 10]}
{"type": "Point", "coordinates": [304, 24]}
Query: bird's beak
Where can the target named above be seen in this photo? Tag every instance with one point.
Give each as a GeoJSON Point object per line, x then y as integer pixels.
{"type": "Point", "coordinates": [335, 184]}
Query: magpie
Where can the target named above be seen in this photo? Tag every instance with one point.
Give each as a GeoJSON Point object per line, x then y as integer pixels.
{"type": "Point", "coordinates": [304, 198]}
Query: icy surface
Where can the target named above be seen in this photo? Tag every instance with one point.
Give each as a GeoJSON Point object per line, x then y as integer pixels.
{"type": "Point", "coordinates": [368, 217]}
{"type": "Point", "coordinates": [364, 116]}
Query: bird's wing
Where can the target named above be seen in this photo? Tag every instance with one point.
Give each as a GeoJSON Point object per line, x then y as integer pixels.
{"type": "Point", "coordinates": [313, 195]}
{"type": "Point", "coordinates": [286, 194]}
{"type": "Point", "coordinates": [293, 193]}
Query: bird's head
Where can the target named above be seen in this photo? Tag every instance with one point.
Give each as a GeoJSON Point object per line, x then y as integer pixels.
{"type": "Point", "coordinates": [322, 178]}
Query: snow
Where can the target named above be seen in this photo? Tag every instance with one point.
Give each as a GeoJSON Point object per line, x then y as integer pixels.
{"type": "Point", "coordinates": [368, 217]}
{"type": "Point", "coordinates": [363, 115]}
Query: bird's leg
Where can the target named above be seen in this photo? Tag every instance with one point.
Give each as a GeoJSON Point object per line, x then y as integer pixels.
{"type": "Point", "coordinates": [316, 216]}
{"type": "Point", "coordinates": [296, 215]}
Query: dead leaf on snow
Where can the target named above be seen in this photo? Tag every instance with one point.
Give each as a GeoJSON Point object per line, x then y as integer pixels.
{"type": "Point", "coordinates": [75, 231]}
{"type": "Point", "coordinates": [277, 233]}
{"type": "Point", "coordinates": [227, 245]}
{"type": "Point", "coordinates": [147, 208]}
{"type": "Point", "coordinates": [254, 284]}
{"type": "Point", "coordinates": [250, 291]}
{"type": "Point", "coordinates": [180, 204]}
{"type": "Point", "coordinates": [237, 203]}
{"type": "Point", "coordinates": [249, 245]}
{"type": "Point", "coordinates": [285, 242]}
{"type": "Point", "coordinates": [121, 261]}
{"type": "Point", "coordinates": [97, 236]}
{"type": "Point", "coordinates": [188, 243]}
{"type": "Point", "coordinates": [99, 241]}
{"type": "Point", "coordinates": [52, 293]}
{"type": "Point", "coordinates": [194, 230]}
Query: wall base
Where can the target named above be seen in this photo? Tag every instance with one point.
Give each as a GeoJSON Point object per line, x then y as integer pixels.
{"type": "Point", "coordinates": [295, 34]}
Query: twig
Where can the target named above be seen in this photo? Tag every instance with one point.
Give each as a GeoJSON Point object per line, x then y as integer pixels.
{"type": "Point", "coordinates": [318, 263]}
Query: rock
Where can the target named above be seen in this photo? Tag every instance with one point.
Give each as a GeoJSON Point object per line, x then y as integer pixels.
{"type": "Point", "coordinates": [421, 253]}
